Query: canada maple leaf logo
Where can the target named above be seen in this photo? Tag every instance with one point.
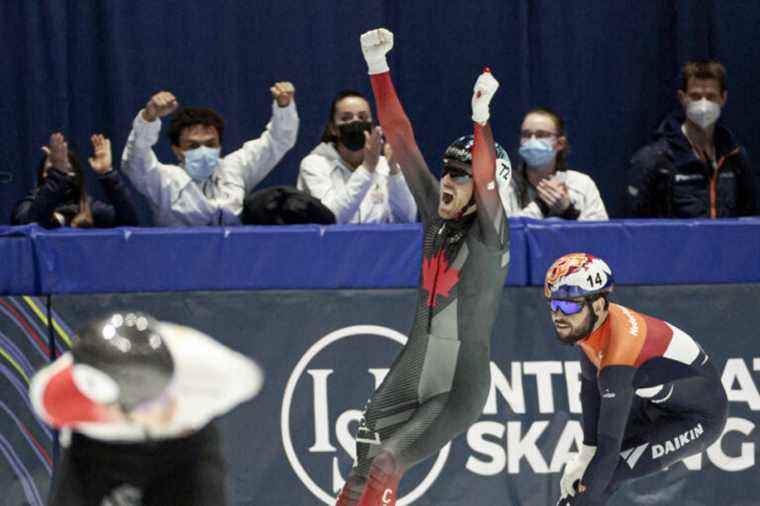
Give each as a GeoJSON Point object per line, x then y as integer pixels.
{"type": "Point", "coordinates": [438, 278]}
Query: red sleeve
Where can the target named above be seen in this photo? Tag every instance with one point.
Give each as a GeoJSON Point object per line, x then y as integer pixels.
{"type": "Point", "coordinates": [490, 213]}
{"type": "Point", "coordinates": [398, 131]}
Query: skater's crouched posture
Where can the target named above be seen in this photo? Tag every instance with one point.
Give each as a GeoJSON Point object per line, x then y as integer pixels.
{"type": "Point", "coordinates": [651, 396]}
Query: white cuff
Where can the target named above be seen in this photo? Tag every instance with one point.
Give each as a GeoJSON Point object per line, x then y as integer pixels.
{"type": "Point", "coordinates": [146, 133]}
{"type": "Point", "coordinates": [379, 66]}
{"type": "Point", "coordinates": [288, 109]}
{"type": "Point", "coordinates": [139, 120]}
{"type": "Point", "coordinates": [587, 453]}
{"type": "Point", "coordinates": [481, 116]}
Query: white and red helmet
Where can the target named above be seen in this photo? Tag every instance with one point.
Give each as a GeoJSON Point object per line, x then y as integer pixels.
{"type": "Point", "coordinates": [577, 275]}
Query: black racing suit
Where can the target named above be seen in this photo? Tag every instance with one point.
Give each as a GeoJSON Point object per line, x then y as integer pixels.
{"type": "Point", "coordinates": [438, 384]}
{"type": "Point", "coordinates": [186, 470]}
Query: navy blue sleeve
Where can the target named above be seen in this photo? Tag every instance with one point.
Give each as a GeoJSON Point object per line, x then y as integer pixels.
{"type": "Point", "coordinates": [615, 385]}
{"type": "Point", "coordinates": [121, 210]}
{"type": "Point", "coordinates": [645, 183]}
{"type": "Point", "coordinates": [56, 189]}
{"type": "Point", "coordinates": [589, 400]}
{"type": "Point", "coordinates": [746, 204]}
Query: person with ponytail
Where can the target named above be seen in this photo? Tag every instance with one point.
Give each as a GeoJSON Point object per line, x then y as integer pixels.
{"type": "Point", "coordinates": [351, 171]}
{"type": "Point", "coordinates": [60, 198]}
{"type": "Point", "coordinates": [542, 185]}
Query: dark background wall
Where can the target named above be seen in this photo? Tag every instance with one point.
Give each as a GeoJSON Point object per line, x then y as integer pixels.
{"type": "Point", "coordinates": [610, 68]}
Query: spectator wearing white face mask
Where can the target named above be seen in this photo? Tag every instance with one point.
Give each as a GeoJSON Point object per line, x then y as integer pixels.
{"type": "Point", "coordinates": [542, 186]}
{"type": "Point", "coordinates": [695, 168]}
{"type": "Point", "coordinates": [205, 189]}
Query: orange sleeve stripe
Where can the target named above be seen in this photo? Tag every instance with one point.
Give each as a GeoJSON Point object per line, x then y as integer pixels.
{"type": "Point", "coordinates": [627, 337]}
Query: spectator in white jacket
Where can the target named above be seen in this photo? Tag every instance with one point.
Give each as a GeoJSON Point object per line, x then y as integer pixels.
{"type": "Point", "coordinates": [204, 189]}
{"type": "Point", "coordinates": [347, 172]}
{"type": "Point", "coordinates": [542, 186]}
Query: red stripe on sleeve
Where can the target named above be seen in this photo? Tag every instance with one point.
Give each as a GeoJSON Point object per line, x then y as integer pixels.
{"type": "Point", "coordinates": [657, 340]}
{"type": "Point", "coordinates": [396, 125]}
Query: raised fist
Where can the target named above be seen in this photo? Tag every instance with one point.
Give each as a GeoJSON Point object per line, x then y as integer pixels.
{"type": "Point", "coordinates": [483, 92]}
{"type": "Point", "coordinates": [161, 104]}
{"type": "Point", "coordinates": [375, 44]}
{"type": "Point", "coordinates": [283, 93]}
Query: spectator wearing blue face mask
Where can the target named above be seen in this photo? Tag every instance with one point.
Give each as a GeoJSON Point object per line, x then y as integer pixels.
{"type": "Point", "coordinates": [542, 186]}
{"type": "Point", "coordinates": [205, 189]}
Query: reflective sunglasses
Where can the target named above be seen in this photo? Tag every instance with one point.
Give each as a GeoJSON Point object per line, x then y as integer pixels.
{"type": "Point", "coordinates": [458, 175]}
{"type": "Point", "coordinates": [568, 307]}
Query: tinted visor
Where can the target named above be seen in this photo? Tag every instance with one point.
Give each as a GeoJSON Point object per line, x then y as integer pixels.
{"type": "Point", "coordinates": [568, 307]}
{"type": "Point", "coordinates": [457, 174]}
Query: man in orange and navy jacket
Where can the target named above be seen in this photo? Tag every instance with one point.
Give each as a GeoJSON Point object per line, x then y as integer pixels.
{"type": "Point", "coordinates": [651, 395]}
{"type": "Point", "coordinates": [694, 168]}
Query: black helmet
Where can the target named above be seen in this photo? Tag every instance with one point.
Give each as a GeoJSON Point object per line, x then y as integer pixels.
{"type": "Point", "coordinates": [121, 360]}
{"type": "Point", "coordinates": [128, 348]}
{"type": "Point", "coordinates": [461, 151]}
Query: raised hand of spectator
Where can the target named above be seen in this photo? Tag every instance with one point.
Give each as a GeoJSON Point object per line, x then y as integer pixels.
{"type": "Point", "coordinates": [161, 104]}
{"type": "Point", "coordinates": [58, 153]}
{"type": "Point", "coordinates": [554, 194]}
{"type": "Point", "coordinates": [372, 148]}
{"type": "Point", "coordinates": [283, 93]}
{"type": "Point", "coordinates": [100, 161]}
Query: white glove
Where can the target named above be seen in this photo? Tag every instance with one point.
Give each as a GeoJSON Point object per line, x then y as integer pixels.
{"type": "Point", "coordinates": [375, 43]}
{"type": "Point", "coordinates": [574, 470]}
{"type": "Point", "coordinates": [483, 92]}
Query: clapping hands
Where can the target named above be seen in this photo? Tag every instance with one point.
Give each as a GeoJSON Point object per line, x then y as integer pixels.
{"type": "Point", "coordinates": [554, 194]}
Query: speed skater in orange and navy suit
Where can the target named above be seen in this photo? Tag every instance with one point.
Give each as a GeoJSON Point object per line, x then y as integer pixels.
{"type": "Point", "coordinates": [651, 396]}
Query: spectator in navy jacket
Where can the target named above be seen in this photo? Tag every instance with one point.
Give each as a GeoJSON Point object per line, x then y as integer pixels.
{"type": "Point", "coordinates": [60, 199]}
{"type": "Point", "coordinates": [694, 168]}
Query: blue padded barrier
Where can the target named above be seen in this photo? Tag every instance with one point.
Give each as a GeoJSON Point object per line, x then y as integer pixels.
{"type": "Point", "coordinates": [155, 260]}
{"type": "Point", "coordinates": [18, 274]}
{"type": "Point", "coordinates": [642, 252]}
{"type": "Point", "coordinates": [237, 258]}
{"type": "Point", "coordinates": [653, 252]}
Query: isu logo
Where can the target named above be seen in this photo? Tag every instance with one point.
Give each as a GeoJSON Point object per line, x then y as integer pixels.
{"type": "Point", "coordinates": [322, 406]}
